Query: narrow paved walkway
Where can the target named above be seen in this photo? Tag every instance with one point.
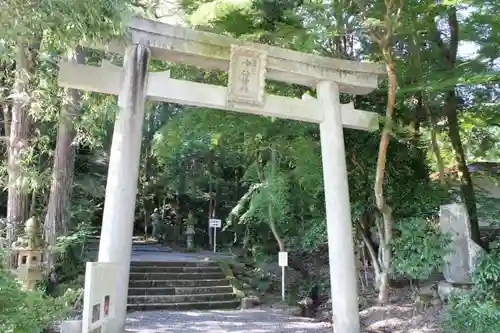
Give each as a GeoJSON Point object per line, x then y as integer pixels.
{"type": "Point", "coordinates": [237, 321]}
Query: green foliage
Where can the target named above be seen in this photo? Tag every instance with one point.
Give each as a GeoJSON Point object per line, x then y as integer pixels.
{"type": "Point", "coordinates": [71, 253]}
{"type": "Point", "coordinates": [215, 11]}
{"type": "Point", "coordinates": [478, 310]}
{"type": "Point", "coordinates": [27, 311]}
{"type": "Point", "coordinates": [315, 236]}
{"type": "Point", "coordinates": [67, 22]}
{"type": "Point", "coordinates": [418, 248]}
{"type": "Point", "coordinates": [261, 20]}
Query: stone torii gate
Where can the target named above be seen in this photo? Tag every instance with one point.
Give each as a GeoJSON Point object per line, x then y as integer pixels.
{"type": "Point", "coordinates": [248, 65]}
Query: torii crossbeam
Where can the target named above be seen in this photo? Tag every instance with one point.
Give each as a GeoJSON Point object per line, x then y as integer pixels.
{"type": "Point", "coordinates": [248, 66]}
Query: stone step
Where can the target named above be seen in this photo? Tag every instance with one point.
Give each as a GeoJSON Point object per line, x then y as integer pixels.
{"type": "Point", "coordinates": [167, 299]}
{"type": "Point", "coordinates": [141, 247]}
{"type": "Point", "coordinates": [220, 305]}
{"type": "Point", "coordinates": [187, 269]}
{"type": "Point", "coordinates": [176, 276]}
{"type": "Point", "coordinates": [174, 264]}
{"type": "Point", "coordinates": [180, 291]}
{"type": "Point", "coordinates": [177, 283]}
{"type": "Point", "coordinates": [155, 248]}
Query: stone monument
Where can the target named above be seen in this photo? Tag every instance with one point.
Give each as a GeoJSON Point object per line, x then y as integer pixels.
{"type": "Point", "coordinates": [28, 253]}
{"type": "Point", "coordinates": [464, 254]}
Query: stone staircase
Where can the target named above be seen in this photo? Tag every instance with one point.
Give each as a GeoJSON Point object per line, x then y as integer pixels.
{"type": "Point", "coordinates": [179, 285]}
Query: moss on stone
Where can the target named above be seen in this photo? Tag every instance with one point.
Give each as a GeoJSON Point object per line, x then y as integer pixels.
{"type": "Point", "coordinates": [213, 51]}
{"type": "Point", "coordinates": [235, 283]}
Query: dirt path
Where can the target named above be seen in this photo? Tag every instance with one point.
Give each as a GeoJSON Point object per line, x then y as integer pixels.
{"type": "Point", "coordinates": [237, 321]}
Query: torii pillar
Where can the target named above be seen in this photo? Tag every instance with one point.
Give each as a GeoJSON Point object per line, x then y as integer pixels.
{"type": "Point", "coordinates": [343, 277]}
{"type": "Point", "coordinates": [123, 171]}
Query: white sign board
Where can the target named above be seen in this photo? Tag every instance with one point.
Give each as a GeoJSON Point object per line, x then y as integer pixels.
{"type": "Point", "coordinates": [99, 297]}
{"type": "Point", "coordinates": [215, 223]}
{"type": "Point", "coordinates": [283, 259]}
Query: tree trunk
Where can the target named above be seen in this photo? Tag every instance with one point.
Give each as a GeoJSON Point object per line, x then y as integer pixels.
{"type": "Point", "coordinates": [272, 222]}
{"type": "Point", "coordinates": [18, 191]}
{"type": "Point", "coordinates": [148, 206]}
{"type": "Point", "coordinates": [5, 88]}
{"type": "Point", "coordinates": [179, 209]}
{"type": "Point", "coordinates": [364, 223]}
{"type": "Point", "coordinates": [449, 53]}
{"type": "Point", "coordinates": [6, 108]}
{"type": "Point", "coordinates": [385, 231]}
{"type": "Point", "coordinates": [436, 150]}
{"type": "Point", "coordinates": [57, 220]}
{"type": "Point", "coordinates": [466, 185]}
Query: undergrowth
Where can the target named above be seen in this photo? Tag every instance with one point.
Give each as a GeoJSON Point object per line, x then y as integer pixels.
{"type": "Point", "coordinates": [478, 310]}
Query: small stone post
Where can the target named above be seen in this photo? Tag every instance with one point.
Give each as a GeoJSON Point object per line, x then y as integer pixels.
{"type": "Point", "coordinates": [190, 232]}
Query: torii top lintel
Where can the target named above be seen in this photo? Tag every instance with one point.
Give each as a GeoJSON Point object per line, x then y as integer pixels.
{"type": "Point", "coordinates": [213, 51]}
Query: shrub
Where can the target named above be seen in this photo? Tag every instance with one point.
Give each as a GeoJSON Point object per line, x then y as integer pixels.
{"type": "Point", "coordinates": [419, 248]}
{"type": "Point", "coordinates": [24, 311]}
{"type": "Point", "coordinates": [478, 310]}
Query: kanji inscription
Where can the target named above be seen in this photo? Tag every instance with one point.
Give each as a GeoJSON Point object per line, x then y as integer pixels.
{"type": "Point", "coordinates": [247, 77]}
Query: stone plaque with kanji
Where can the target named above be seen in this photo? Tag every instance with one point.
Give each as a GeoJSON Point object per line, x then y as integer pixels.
{"type": "Point", "coordinates": [99, 296]}
{"type": "Point", "coordinates": [247, 77]}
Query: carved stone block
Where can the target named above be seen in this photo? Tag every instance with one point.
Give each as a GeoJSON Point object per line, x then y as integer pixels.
{"type": "Point", "coordinates": [247, 77]}
{"type": "Point", "coordinates": [464, 254]}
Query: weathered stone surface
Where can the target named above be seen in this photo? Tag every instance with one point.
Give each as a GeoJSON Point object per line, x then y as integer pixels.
{"type": "Point", "coordinates": [165, 89]}
{"type": "Point", "coordinates": [71, 326]}
{"type": "Point", "coordinates": [249, 302]}
{"type": "Point", "coordinates": [184, 306]}
{"type": "Point", "coordinates": [464, 253]}
{"type": "Point", "coordinates": [476, 254]}
{"type": "Point", "coordinates": [446, 289]}
{"type": "Point", "coordinates": [185, 298]}
{"type": "Point", "coordinates": [200, 48]}
{"type": "Point", "coordinates": [428, 291]}
{"type": "Point", "coordinates": [179, 286]}
{"type": "Point", "coordinates": [177, 276]}
{"type": "Point", "coordinates": [427, 296]}
{"type": "Point", "coordinates": [295, 311]}
{"type": "Point", "coordinates": [307, 307]}
{"type": "Point", "coordinates": [247, 77]}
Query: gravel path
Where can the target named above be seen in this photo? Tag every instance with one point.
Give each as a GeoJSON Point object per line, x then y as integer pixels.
{"type": "Point", "coordinates": [238, 321]}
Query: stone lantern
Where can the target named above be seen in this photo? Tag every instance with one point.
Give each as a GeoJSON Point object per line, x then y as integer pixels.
{"type": "Point", "coordinates": [28, 253]}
